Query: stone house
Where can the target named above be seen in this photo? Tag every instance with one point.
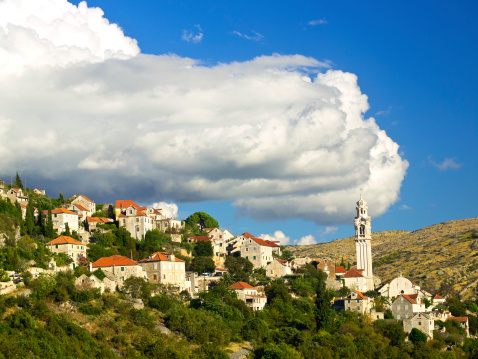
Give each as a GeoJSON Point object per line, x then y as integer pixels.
{"type": "Point", "coordinates": [81, 211]}
{"type": "Point", "coordinates": [165, 268]}
{"type": "Point", "coordinates": [23, 207]}
{"type": "Point", "coordinates": [121, 205]}
{"type": "Point", "coordinates": [40, 192]}
{"type": "Point", "coordinates": [406, 306]}
{"type": "Point", "coordinates": [421, 321]}
{"type": "Point", "coordinates": [227, 235]}
{"type": "Point", "coordinates": [327, 266]}
{"type": "Point", "coordinates": [69, 246]}
{"type": "Point", "coordinates": [122, 267]}
{"type": "Point", "coordinates": [61, 216]}
{"type": "Point", "coordinates": [135, 220]}
{"type": "Point", "coordinates": [86, 203]}
{"type": "Point", "coordinates": [401, 285]}
{"type": "Point", "coordinates": [463, 323]}
{"type": "Point", "coordinates": [249, 295]}
{"type": "Point", "coordinates": [218, 247]}
{"type": "Point", "coordinates": [107, 284]}
{"type": "Point", "coordinates": [256, 250]}
{"type": "Point", "coordinates": [437, 299]}
{"type": "Point", "coordinates": [357, 302]}
{"type": "Point", "coordinates": [192, 285]}
{"type": "Point", "coordinates": [16, 195]}
{"type": "Point", "coordinates": [354, 280]}
{"type": "Point", "coordinates": [278, 268]}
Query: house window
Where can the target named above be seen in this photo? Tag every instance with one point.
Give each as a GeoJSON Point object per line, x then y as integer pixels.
{"type": "Point", "coordinates": [419, 323]}
{"type": "Point", "coordinates": [254, 257]}
{"type": "Point", "coordinates": [122, 269]}
{"type": "Point", "coordinates": [155, 277]}
{"type": "Point", "coordinates": [56, 246]}
{"type": "Point", "coordinates": [155, 266]}
{"type": "Point", "coordinates": [247, 257]}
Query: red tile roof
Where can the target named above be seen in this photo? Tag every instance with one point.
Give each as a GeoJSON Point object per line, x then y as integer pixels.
{"type": "Point", "coordinates": [352, 273]}
{"type": "Point", "coordinates": [260, 241]}
{"type": "Point", "coordinates": [256, 296]}
{"type": "Point", "coordinates": [360, 295]}
{"type": "Point", "coordinates": [62, 210]}
{"type": "Point", "coordinates": [409, 298]}
{"type": "Point", "coordinates": [438, 297]}
{"type": "Point", "coordinates": [65, 240]}
{"type": "Point", "coordinates": [81, 208]}
{"type": "Point", "coordinates": [98, 219]}
{"type": "Point", "coordinates": [241, 285]}
{"type": "Point", "coordinates": [125, 204]}
{"type": "Point", "coordinates": [339, 269]}
{"type": "Point", "coordinates": [115, 260]}
{"type": "Point", "coordinates": [159, 256]}
{"type": "Point", "coordinates": [458, 319]}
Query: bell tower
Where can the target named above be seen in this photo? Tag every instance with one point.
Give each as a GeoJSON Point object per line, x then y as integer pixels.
{"type": "Point", "coordinates": [363, 238]}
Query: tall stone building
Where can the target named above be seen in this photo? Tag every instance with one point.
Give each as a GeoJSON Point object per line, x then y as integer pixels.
{"type": "Point", "coordinates": [363, 242]}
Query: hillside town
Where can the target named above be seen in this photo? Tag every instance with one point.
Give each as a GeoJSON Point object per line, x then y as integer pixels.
{"type": "Point", "coordinates": [79, 222]}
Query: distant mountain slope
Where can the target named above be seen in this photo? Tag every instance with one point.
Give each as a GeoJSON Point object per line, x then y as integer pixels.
{"type": "Point", "coordinates": [429, 256]}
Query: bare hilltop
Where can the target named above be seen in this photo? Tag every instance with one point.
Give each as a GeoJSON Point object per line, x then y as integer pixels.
{"type": "Point", "coordinates": [442, 252]}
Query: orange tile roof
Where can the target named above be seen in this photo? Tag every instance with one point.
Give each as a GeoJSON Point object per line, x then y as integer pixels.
{"type": "Point", "coordinates": [241, 285]}
{"type": "Point", "coordinates": [115, 260]}
{"type": "Point", "coordinates": [352, 273]}
{"type": "Point", "coordinates": [256, 296]}
{"type": "Point", "coordinates": [438, 297]}
{"type": "Point", "coordinates": [125, 204]}
{"type": "Point", "coordinates": [81, 208]}
{"type": "Point", "coordinates": [62, 210]}
{"type": "Point", "coordinates": [98, 219]}
{"type": "Point", "coordinates": [260, 241]}
{"type": "Point", "coordinates": [409, 298]}
{"type": "Point", "coordinates": [339, 269]}
{"type": "Point", "coordinates": [458, 319]}
{"type": "Point", "coordinates": [86, 198]}
{"type": "Point", "coordinates": [159, 256]}
{"type": "Point", "coordinates": [360, 295]}
{"type": "Point", "coordinates": [65, 240]}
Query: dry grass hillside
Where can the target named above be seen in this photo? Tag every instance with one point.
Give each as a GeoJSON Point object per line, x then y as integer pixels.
{"type": "Point", "coordinates": [429, 256]}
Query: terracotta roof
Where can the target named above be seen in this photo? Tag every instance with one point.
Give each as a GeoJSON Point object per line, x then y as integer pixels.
{"type": "Point", "coordinates": [115, 260]}
{"type": "Point", "coordinates": [80, 207]}
{"type": "Point", "coordinates": [159, 256]}
{"type": "Point", "coordinates": [65, 240]}
{"type": "Point", "coordinates": [86, 198]}
{"type": "Point", "coordinates": [98, 219]}
{"type": "Point", "coordinates": [201, 238]}
{"type": "Point", "coordinates": [222, 269]}
{"type": "Point", "coordinates": [360, 295]}
{"type": "Point", "coordinates": [247, 235]}
{"type": "Point", "coordinates": [241, 285]}
{"type": "Point", "coordinates": [438, 297]}
{"type": "Point", "coordinates": [339, 269]}
{"type": "Point", "coordinates": [255, 296]}
{"type": "Point", "coordinates": [458, 319]}
{"type": "Point", "coordinates": [352, 273]}
{"type": "Point", "coordinates": [260, 241]}
{"type": "Point", "coordinates": [62, 210]}
{"type": "Point", "coordinates": [125, 204]}
{"type": "Point", "coordinates": [407, 297]}
{"type": "Point", "coordinates": [281, 261]}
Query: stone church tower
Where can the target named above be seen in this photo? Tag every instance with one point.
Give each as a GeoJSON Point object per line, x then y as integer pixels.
{"type": "Point", "coordinates": [363, 239]}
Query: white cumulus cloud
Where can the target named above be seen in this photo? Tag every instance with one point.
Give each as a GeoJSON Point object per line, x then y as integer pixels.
{"type": "Point", "coordinates": [276, 236]}
{"type": "Point", "coordinates": [446, 164]}
{"type": "Point", "coordinates": [305, 241]}
{"type": "Point", "coordinates": [169, 210]}
{"type": "Point", "coordinates": [282, 136]}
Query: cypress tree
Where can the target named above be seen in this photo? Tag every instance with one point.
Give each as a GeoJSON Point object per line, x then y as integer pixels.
{"type": "Point", "coordinates": [49, 225]}
{"type": "Point", "coordinates": [18, 182]}
{"type": "Point", "coordinates": [324, 313]}
{"type": "Point", "coordinates": [30, 218]}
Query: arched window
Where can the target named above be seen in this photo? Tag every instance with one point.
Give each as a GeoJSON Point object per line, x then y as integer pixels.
{"type": "Point", "coordinates": [362, 230]}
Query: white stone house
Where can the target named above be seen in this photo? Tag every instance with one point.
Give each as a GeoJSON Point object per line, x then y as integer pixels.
{"type": "Point", "coordinates": [354, 280]}
{"type": "Point", "coordinates": [107, 284]}
{"type": "Point", "coordinates": [81, 211]}
{"type": "Point", "coordinates": [256, 250]}
{"type": "Point", "coordinates": [17, 195]}
{"type": "Point", "coordinates": [357, 302]}
{"type": "Point", "coordinates": [92, 222]}
{"type": "Point", "coordinates": [401, 285]}
{"type": "Point", "coordinates": [249, 295]}
{"type": "Point", "coordinates": [278, 268]}
{"type": "Point", "coordinates": [421, 321]}
{"type": "Point", "coordinates": [61, 216]}
{"type": "Point", "coordinates": [69, 246]}
{"type": "Point", "coordinates": [122, 267]}
{"type": "Point", "coordinates": [166, 269]}
{"type": "Point", "coordinates": [86, 203]}
{"type": "Point", "coordinates": [136, 221]}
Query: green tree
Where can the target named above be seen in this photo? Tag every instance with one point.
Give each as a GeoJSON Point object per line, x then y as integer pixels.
{"type": "Point", "coordinates": [324, 313]}
{"type": "Point", "coordinates": [137, 287]}
{"type": "Point", "coordinates": [203, 249]}
{"type": "Point", "coordinates": [286, 254]}
{"type": "Point", "coordinates": [18, 182]}
{"type": "Point", "coordinates": [239, 268]}
{"type": "Point", "coordinates": [202, 265]}
{"type": "Point", "coordinates": [49, 232]}
{"type": "Point", "coordinates": [30, 219]}
{"type": "Point", "coordinates": [417, 336]}
{"type": "Point", "coordinates": [201, 220]}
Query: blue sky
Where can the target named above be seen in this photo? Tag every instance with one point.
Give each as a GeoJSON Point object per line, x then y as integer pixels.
{"type": "Point", "coordinates": [415, 61]}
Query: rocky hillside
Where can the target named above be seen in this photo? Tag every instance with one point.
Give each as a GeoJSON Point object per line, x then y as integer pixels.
{"type": "Point", "coordinates": [429, 256]}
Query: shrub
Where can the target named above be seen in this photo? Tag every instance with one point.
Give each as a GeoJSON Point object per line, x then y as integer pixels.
{"type": "Point", "coordinates": [160, 302]}
{"type": "Point", "coordinates": [417, 336]}
{"type": "Point", "coordinates": [89, 310]}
